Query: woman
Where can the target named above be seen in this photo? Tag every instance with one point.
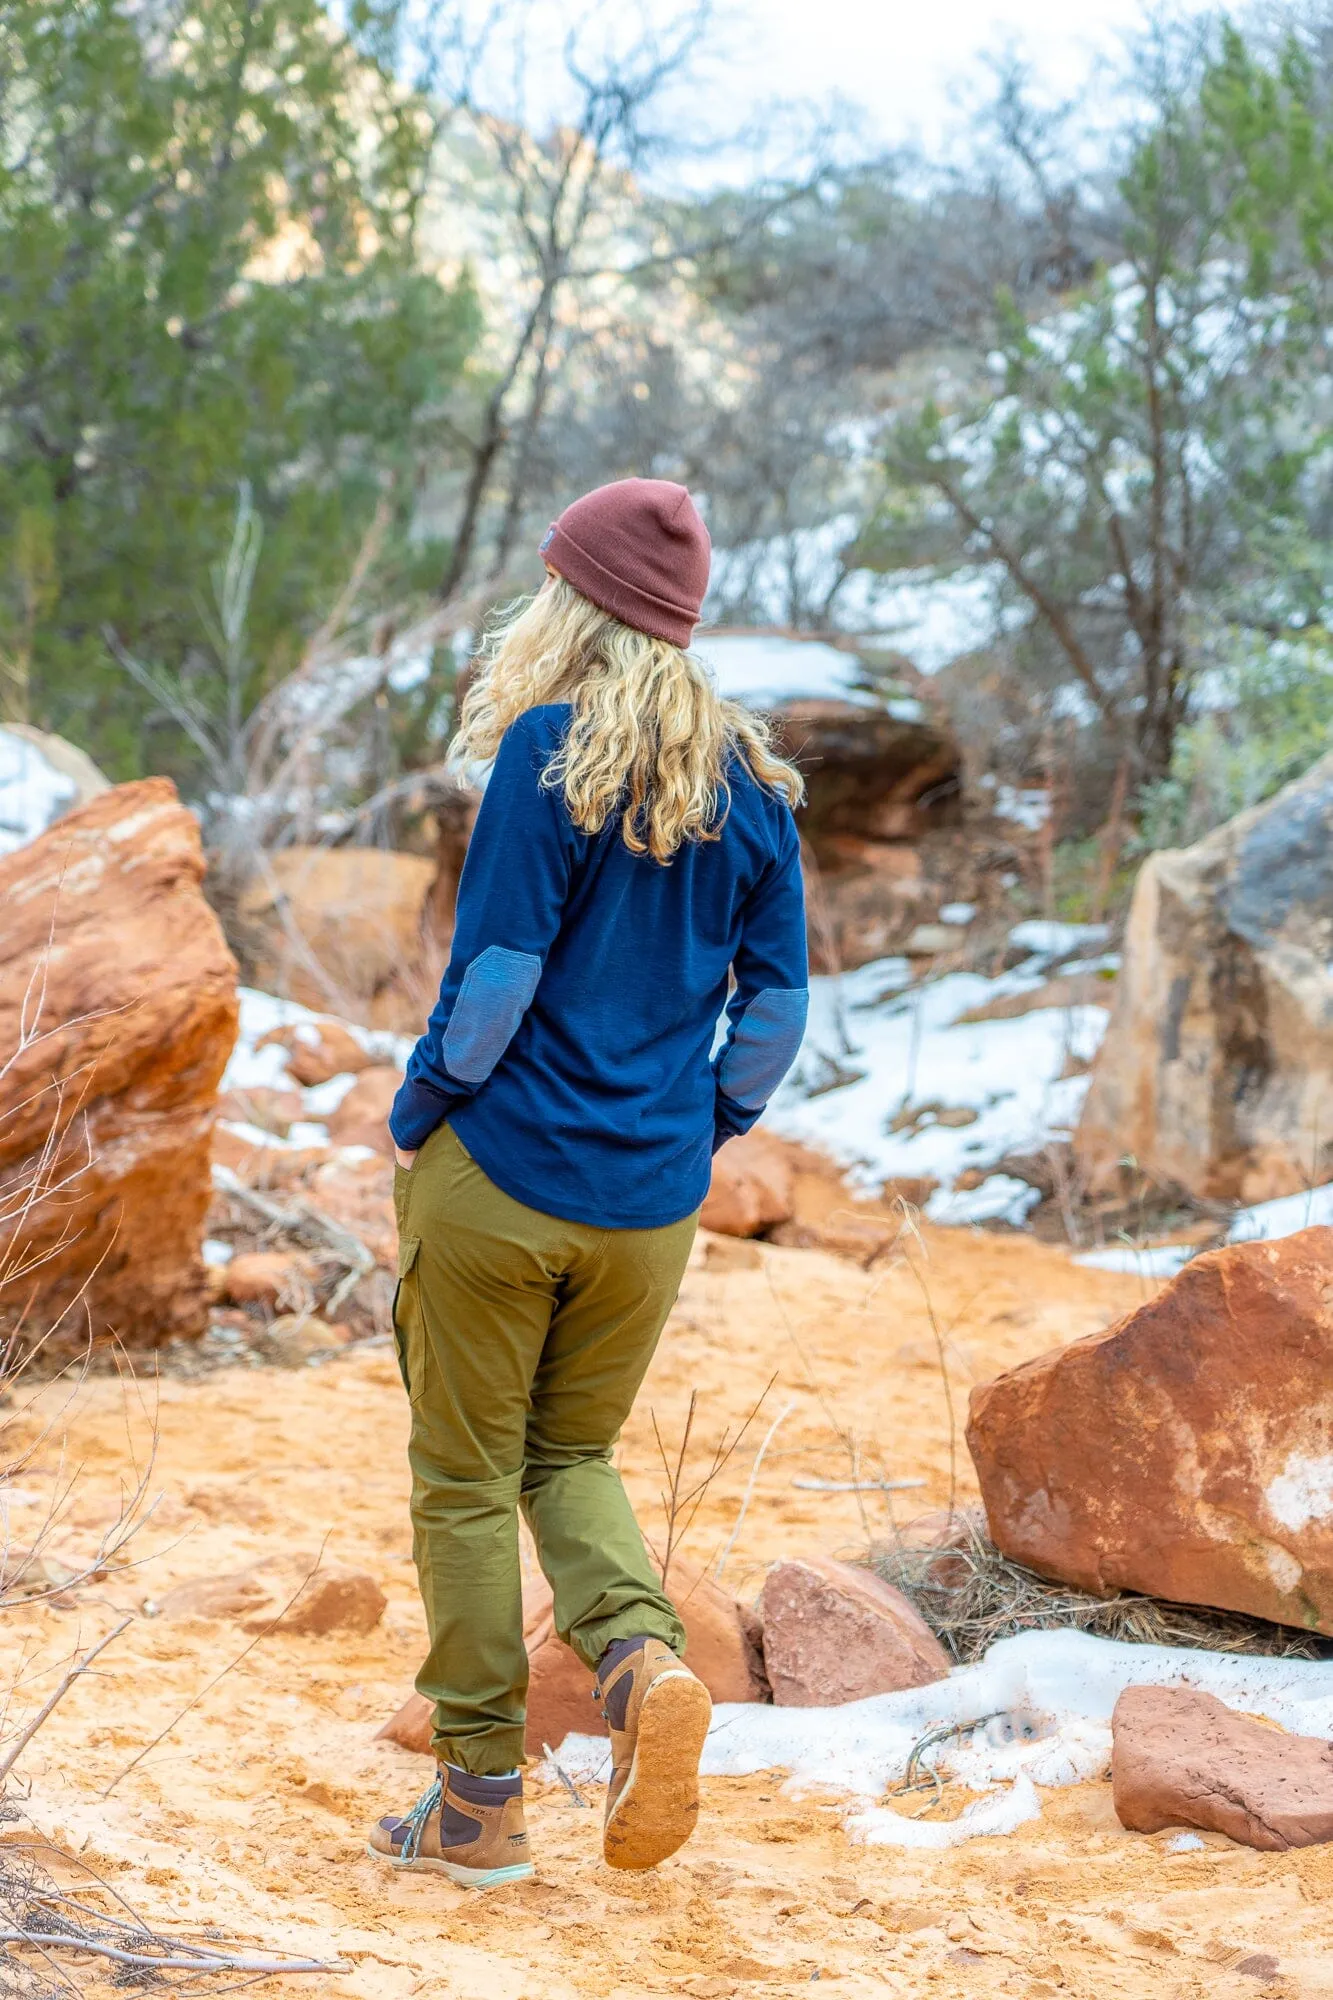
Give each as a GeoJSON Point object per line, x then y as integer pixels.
{"type": "Point", "coordinates": [634, 848]}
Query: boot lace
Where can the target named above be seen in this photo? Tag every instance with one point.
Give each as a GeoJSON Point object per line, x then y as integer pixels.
{"type": "Point", "coordinates": [419, 1818]}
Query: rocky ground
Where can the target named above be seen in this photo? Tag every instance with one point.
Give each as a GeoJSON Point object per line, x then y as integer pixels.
{"type": "Point", "coordinates": [250, 1814]}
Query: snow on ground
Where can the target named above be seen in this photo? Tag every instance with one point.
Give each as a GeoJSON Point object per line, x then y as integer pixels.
{"type": "Point", "coordinates": [1283, 1217]}
{"type": "Point", "coordinates": [32, 792]}
{"type": "Point", "coordinates": [253, 1068]}
{"type": "Point", "coordinates": [1263, 1223]}
{"type": "Point", "coordinates": [1143, 1260]}
{"type": "Point", "coordinates": [893, 1082]}
{"type": "Point", "coordinates": [1035, 1711]}
{"type": "Point", "coordinates": [766, 668]}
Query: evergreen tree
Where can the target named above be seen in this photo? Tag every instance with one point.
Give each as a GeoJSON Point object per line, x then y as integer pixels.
{"type": "Point", "coordinates": [209, 285]}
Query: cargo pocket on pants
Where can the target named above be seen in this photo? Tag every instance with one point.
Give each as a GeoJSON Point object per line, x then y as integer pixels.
{"type": "Point", "coordinates": [408, 1330]}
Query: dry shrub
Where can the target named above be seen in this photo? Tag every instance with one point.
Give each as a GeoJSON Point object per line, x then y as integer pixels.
{"type": "Point", "coordinates": [970, 1595]}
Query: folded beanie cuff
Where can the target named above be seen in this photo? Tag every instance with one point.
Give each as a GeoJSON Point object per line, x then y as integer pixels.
{"type": "Point", "coordinates": [638, 550]}
{"type": "Point", "coordinates": [630, 602]}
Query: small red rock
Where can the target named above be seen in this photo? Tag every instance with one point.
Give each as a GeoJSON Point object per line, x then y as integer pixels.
{"type": "Point", "coordinates": [333, 1599]}
{"type": "Point", "coordinates": [362, 1119]}
{"type": "Point", "coordinates": [833, 1633]}
{"type": "Point", "coordinates": [318, 1050]}
{"type": "Point", "coordinates": [1183, 1758]}
{"type": "Point", "coordinates": [752, 1186]}
{"type": "Point", "coordinates": [266, 1277]}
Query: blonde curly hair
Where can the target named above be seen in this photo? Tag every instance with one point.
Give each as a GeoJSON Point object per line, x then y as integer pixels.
{"type": "Point", "coordinates": [650, 737]}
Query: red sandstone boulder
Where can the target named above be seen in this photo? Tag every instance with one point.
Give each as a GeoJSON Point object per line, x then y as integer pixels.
{"type": "Point", "coordinates": [752, 1187]}
{"type": "Point", "coordinates": [117, 1015]}
{"type": "Point", "coordinates": [1185, 1451]}
{"type": "Point", "coordinates": [1182, 1758]}
{"type": "Point", "coordinates": [869, 772]}
{"type": "Point", "coordinates": [362, 1119]}
{"type": "Point", "coordinates": [833, 1633]}
{"type": "Point", "coordinates": [317, 1050]}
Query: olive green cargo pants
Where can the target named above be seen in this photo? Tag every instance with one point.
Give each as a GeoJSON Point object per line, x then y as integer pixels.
{"type": "Point", "coordinates": [522, 1342]}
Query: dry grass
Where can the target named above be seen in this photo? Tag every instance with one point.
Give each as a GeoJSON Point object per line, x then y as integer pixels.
{"type": "Point", "coordinates": [970, 1595]}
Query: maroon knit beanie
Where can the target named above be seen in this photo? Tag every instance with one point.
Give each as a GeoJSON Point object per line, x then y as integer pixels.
{"type": "Point", "coordinates": [637, 549]}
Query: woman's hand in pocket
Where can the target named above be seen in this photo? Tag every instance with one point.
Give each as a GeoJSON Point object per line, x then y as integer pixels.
{"type": "Point", "coordinates": [404, 1159]}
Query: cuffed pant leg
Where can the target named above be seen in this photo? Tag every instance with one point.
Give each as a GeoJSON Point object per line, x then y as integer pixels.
{"type": "Point", "coordinates": [465, 1540]}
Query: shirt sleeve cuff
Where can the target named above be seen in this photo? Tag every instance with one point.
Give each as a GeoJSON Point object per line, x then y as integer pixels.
{"type": "Point", "coordinates": [417, 1110]}
{"type": "Point", "coordinates": [730, 1119]}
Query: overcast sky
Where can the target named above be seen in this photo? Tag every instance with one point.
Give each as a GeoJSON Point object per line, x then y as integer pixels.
{"type": "Point", "coordinates": [907, 66]}
{"type": "Point", "coordinates": [900, 58]}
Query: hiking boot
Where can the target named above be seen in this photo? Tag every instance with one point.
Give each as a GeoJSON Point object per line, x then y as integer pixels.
{"type": "Point", "coordinates": [470, 1829]}
{"type": "Point", "coordinates": [658, 1716]}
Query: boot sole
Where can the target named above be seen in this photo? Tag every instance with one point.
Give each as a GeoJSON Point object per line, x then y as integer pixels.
{"type": "Point", "coordinates": [453, 1871]}
{"type": "Point", "coordinates": [659, 1807]}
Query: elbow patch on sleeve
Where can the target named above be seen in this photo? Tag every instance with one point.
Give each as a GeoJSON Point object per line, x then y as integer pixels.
{"type": "Point", "coordinates": [764, 1045]}
{"type": "Point", "coordinates": [496, 992]}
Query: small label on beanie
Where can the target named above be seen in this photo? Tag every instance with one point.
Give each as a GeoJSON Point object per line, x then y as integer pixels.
{"type": "Point", "coordinates": [546, 540]}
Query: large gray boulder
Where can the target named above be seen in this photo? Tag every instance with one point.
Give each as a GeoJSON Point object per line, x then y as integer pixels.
{"type": "Point", "coordinates": [1216, 1074]}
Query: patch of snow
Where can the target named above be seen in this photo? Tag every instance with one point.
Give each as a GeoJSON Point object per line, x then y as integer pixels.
{"type": "Point", "coordinates": [1055, 940]}
{"type": "Point", "coordinates": [876, 1047]}
{"type": "Point", "coordinates": [957, 913]}
{"type": "Point", "coordinates": [1000, 1198]}
{"type": "Point", "coordinates": [252, 1068]}
{"type": "Point", "coordinates": [1030, 808]}
{"type": "Point", "coordinates": [767, 668]}
{"type": "Point", "coordinates": [321, 1100]}
{"type": "Point", "coordinates": [880, 1826]}
{"type": "Point", "coordinates": [217, 1253]}
{"type": "Point", "coordinates": [1286, 1215]}
{"type": "Point", "coordinates": [33, 793]}
{"type": "Point", "coordinates": [1158, 1260]}
{"type": "Point", "coordinates": [1109, 961]}
{"type": "Point", "coordinates": [1036, 1711]}
{"type": "Point", "coordinates": [932, 616]}
{"type": "Point", "coordinates": [409, 672]}
{"type": "Point", "coordinates": [1185, 1843]}
{"type": "Point", "coordinates": [1264, 1223]}
{"type": "Point", "coordinates": [304, 1132]}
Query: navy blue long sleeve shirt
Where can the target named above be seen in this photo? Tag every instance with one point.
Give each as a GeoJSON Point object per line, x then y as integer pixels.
{"type": "Point", "coordinates": [570, 1046]}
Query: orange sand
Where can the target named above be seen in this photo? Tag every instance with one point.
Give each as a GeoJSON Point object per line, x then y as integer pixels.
{"type": "Point", "coordinates": [251, 1815]}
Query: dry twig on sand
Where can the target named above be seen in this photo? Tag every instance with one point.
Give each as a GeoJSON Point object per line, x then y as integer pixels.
{"type": "Point", "coordinates": [679, 1502]}
{"type": "Point", "coordinates": [42, 1926]}
{"type": "Point", "coordinates": [67, 1680]}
